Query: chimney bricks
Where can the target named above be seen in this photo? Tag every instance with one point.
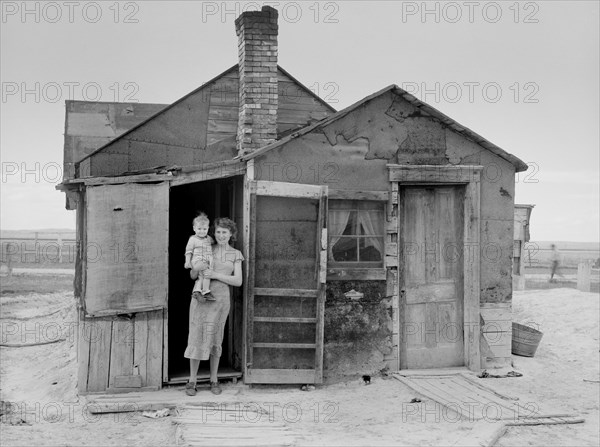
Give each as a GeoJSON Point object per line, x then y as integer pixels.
{"type": "Point", "coordinates": [257, 45]}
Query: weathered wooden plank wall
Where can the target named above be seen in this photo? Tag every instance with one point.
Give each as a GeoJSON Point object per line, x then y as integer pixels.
{"type": "Point", "coordinates": [120, 352]}
{"type": "Point", "coordinates": [497, 334]}
{"type": "Point", "coordinates": [200, 128]}
{"type": "Point", "coordinates": [90, 125]}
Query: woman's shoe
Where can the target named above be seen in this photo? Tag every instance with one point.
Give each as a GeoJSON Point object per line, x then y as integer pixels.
{"type": "Point", "coordinates": [215, 388]}
{"type": "Point", "coordinates": [190, 389]}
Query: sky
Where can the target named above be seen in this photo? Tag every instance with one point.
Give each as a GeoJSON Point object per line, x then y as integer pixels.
{"type": "Point", "coordinates": [524, 75]}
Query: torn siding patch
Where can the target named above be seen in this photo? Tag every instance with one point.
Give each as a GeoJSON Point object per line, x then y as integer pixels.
{"type": "Point", "coordinates": [400, 110]}
{"type": "Point", "coordinates": [504, 193]}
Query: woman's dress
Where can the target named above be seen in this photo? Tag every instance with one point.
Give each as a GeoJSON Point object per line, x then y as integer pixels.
{"type": "Point", "coordinates": [207, 318]}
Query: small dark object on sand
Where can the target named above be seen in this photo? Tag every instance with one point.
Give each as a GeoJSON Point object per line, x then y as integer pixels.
{"type": "Point", "coordinates": [367, 380]}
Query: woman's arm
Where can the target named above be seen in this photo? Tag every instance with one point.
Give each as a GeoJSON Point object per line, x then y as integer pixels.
{"type": "Point", "coordinates": [234, 280]}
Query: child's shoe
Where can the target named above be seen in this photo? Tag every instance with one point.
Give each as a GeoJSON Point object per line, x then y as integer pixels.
{"type": "Point", "coordinates": [208, 296]}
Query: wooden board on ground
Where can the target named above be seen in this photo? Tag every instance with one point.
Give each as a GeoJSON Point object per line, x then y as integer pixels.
{"type": "Point", "coordinates": [231, 424]}
{"type": "Point", "coordinates": [464, 395]}
{"type": "Point", "coordinates": [470, 399]}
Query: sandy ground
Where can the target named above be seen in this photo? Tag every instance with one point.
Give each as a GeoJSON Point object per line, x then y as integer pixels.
{"type": "Point", "coordinates": [39, 382]}
{"type": "Point", "coordinates": [42, 271]}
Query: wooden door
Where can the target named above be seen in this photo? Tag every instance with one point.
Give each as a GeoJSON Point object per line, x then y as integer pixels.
{"type": "Point", "coordinates": [431, 297]}
{"type": "Point", "coordinates": [126, 250]}
{"type": "Point", "coordinates": [286, 283]}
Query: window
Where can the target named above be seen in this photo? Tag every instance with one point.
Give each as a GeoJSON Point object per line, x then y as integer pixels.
{"type": "Point", "coordinates": [356, 235]}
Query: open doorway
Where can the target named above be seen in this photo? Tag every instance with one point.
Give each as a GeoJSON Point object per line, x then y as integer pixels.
{"type": "Point", "coordinates": [217, 198]}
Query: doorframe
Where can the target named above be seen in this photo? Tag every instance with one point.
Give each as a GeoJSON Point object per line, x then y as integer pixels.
{"type": "Point", "coordinates": [453, 175]}
{"type": "Point", "coordinates": [194, 174]}
{"type": "Point", "coordinates": [292, 190]}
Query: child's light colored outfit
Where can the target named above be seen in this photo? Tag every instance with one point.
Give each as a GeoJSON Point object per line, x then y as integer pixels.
{"type": "Point", "coordinates": [201, 250]}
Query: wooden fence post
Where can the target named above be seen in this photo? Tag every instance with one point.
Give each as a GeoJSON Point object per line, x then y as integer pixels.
{"type": "Point", "coordinates": [60, 242]}
{"type": "Point", "coordinates": [584, 270]}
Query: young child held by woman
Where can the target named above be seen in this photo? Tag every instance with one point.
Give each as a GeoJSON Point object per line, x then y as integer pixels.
{"type": "Point", "coordinates": [198, 255]}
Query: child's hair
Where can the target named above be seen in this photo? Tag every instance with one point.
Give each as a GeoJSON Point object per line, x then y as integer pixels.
{"type": "Point", "coordinates": [201, 217]}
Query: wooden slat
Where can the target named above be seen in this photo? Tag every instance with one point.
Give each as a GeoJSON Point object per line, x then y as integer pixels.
{"type": "Point", "coordinates": [140, 359]}
{"type": "Point", "coordinates": [282, 375]}
{"type": "Point", "coordinates": [83, 352]}
{"type": "Point", "coordinates": [138, 178]}
{"type": "Point", "coordinates": [165, 346]}
{"type": "Point", "coordinates": [378, 274]}
{"type": "Point", "coordinates": [544, 420]}
{"type": "Point", "coordinates": [499, 343]}
{"type": "Point", "coordinates": [433, 174]}
{"type": "Point", "coordinates": [247, 293]}
{"type": "Point", "coordinates": [497, 317]}
{"type": "Point", "coordinates": [393, 358]}
{"type": "Point", "coordinates": [348, 194]}
{"type": "Point", "coordinates": [283, 189]}
{"type": "Point", "coordinates": [322, 278]}
{"type": "Point", "coordinates": [133, 381]}
{"type": "Point", "coordinates": [131, 390]}
{"type": "Point", "coordinates": [116, 406]}
{"type": "Point", "coordinates": [209, 172]}
{"type": "Point", "coordinates": [284, 320]}
{"type": "Point", "coordinates": [155, 349]}
{"type": "Point", "coordinates": [474, 381]}
{"type": "Point", "coordinates": [100, 340]}
{"type": "Point", "coordinates": [121, 350]}
{"type": "Point", "coordinates": [250, 292]}
{"type": "Point", "coordinates": [392, 225]}
{"type": "Point", "coordinates": [304, 293]}
{"type": "Point", "coordinates": [131, 310]}
{"type": "Point", "coordinates": [402, 339]}
{"type": "Point", "coordinates": [83, 247]}
{"type": "Point", "coordinates": [286, 345]}
{"type": "Point", "coordinates": [471, 273]}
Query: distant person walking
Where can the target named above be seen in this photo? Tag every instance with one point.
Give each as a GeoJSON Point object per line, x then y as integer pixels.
{"type": "Point", "coordinates": [555, 259]}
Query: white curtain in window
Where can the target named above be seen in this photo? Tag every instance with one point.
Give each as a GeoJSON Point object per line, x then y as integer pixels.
{"type": "Point", "coordinates": [338, 219]}
{"type": "Point", "coordinates": [373, 224]}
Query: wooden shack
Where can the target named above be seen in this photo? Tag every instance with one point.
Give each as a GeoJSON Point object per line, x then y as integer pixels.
{"type": "Point", "coordinates": [521, 237]}
{"type": "Point", "coordinates": [379, 236]}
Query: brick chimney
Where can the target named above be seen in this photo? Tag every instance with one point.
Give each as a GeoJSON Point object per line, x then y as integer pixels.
{"type": "Point", "coordinates": [257, 44]}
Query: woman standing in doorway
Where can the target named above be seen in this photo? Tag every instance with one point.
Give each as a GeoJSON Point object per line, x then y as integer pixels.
{"type": "Point", "coordinates": [207, 318]}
